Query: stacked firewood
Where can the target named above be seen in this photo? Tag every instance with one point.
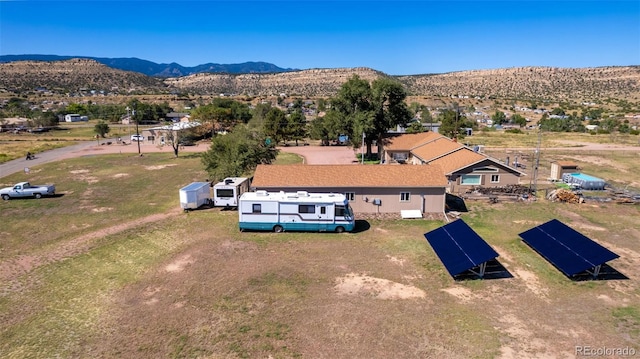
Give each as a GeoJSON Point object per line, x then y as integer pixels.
{"type": "Point", "coordinates": [564, 195]}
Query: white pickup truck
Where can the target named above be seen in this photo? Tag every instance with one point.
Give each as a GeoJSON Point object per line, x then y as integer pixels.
{"type": "Point", "coordinates": [24, 189]}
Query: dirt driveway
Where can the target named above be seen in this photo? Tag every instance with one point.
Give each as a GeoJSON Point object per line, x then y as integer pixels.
{"type": "Point", "coordinates": [324, 155]}
{"type": "Point", "coordinates": [312, 154]}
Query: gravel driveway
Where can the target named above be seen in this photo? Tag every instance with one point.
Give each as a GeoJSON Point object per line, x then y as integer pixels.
{"type": "Point", "coordinates": [324, 155]}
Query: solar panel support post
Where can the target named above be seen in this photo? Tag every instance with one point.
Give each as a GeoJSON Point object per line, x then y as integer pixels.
{"type": "Point", "coordinates": [481, 269]}
{"type": "Point", "coordinates": [596, 271]}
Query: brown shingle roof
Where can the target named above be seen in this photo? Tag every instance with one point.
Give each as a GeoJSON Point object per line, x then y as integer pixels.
{"type": "Point", "coordinates": [348, 176]}
{"type": "Point", "coordinates": [457, 160]}
{"type": "Point", "coordinates": [407, 141]}
{"type": "Point", "coordinates": [436, 148]}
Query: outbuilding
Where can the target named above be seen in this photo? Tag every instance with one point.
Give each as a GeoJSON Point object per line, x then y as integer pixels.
{"type": "Point", "coordinates": [369, 188]}
{"type": "Point", "coordinates": [559, 168]}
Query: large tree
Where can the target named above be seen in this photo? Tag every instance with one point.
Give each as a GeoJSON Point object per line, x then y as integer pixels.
{"type": "Point", "coordinates": [370, 109]}
{"type": "Point", "coordinates": [222, 114]}
{"type": "Point", "coordinates": [298, 125]}
{"type": "Point", "coordinates": [453, 123]}
{"type": "Point", "coordinates": [276, 125]}
{"type": "Point", "coordinates": [101, 128]}
{"type": "Point", "coordinates": [237, 153]}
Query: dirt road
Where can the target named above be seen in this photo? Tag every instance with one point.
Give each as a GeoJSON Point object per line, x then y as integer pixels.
{"type": "Point", "coordinates": [311, 154]}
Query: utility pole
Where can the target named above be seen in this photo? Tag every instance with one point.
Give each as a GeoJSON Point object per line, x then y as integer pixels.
{"type": "Point", "coordinates": [137, 132]}
{"type": "Point", "coordinates": [536, 164]}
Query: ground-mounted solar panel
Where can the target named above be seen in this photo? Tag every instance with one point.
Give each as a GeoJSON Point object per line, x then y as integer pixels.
{"type": "Point", "coordinates": [460, 248]}
{"type": "Point", "coordinates": [567, 249]}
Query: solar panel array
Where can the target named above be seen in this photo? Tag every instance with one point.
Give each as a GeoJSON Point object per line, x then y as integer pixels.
{"type": "Point", "coordinates": [459, 247]}
{"type": "Point", "coordinates": [567, 249]}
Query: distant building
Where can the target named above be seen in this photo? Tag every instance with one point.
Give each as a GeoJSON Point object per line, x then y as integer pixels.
{"type": "Point", "coordinates": [74, 117]}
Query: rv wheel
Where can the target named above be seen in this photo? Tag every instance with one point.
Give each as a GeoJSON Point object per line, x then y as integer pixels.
{"type": "Point", "coordinates": [339, 229]}
{"type": "Point", "coordinates": [277, 229]}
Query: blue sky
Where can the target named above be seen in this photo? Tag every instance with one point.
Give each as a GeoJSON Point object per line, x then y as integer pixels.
{"type": "Point", "coordinates": [395, 37]}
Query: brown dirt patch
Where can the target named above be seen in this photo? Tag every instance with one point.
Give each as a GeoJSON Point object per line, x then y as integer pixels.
{"type": "Point", "coordinates": [355, 284]}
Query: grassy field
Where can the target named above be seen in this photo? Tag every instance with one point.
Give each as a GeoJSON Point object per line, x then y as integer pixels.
{"type": "Point", "coordinates": [548, 139]}
{"type": "Point", "coordinates": [14, 146]}
{"type": "Point", "coordinates": [113, 268]}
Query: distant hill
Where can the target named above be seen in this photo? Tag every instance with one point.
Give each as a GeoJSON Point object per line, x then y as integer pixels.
{"type": "Point", "coordinates": [524, 83]}
{"type": "Point", "coordinates": [150, 68]}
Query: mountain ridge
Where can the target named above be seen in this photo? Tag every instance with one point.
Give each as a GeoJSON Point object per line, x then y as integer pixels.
{"type": "Point", "coordinates": [76, 76]}
{"type": "Point", "coordinates": [154, 69]}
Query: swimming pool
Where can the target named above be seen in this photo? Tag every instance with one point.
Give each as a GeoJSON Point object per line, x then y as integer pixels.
{"type": "Point", "coordinates": [584, 181]}
{"type": "Point", "coordinates": [585, 177]}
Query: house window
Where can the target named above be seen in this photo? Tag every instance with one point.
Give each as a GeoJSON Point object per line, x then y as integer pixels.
{"type": "Point", "coordinates": [306, 208]}
{"type": "Point", "coordinates": [495, 178]}
{"type": "Point", "coordinates": [400, 156]}
{"type": "Point", "coordinates": [256, 208]}
{"type": "Point", "coordinates": [351, 196]}
{"type": "Point", "coordinates": [470, 180]}
{"type": "Point", "coordinates": [405, 196]}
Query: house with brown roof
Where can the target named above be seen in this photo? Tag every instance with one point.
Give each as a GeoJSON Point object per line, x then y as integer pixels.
{"type": "Point", "coordinates": [369, 188]}
{"type": "Point", "coordinates": [463, 167]}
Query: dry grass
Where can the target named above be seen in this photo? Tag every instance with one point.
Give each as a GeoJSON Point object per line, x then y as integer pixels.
{"type": "Point", "coordinates": [191, 285]}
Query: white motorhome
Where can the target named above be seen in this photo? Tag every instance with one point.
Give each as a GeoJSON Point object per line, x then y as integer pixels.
{"type": "Point", "coordinates": [227, 192]}
{"type": "Point", "coordinates": [299, 211]}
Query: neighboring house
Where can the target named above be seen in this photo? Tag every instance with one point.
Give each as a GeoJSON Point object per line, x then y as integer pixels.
{"type": "Point", "coordinates": [463, 167]}
{"type": "Point", "coordinates": [558, 168]}
{"type": "Point", "coordinates": [178, 117]}
{"type": "Point", "coordinates": [161, 134]}
{"type": "Point", "coordinates": [369, 188]}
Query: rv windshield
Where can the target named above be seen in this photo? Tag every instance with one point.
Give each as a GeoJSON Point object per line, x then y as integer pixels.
{"type": "Point", "coordinates": [344, 211]}
{"type": "Point", "coordinates": [224, 193]}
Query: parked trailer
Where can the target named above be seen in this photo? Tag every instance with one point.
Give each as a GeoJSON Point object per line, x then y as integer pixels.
{"type": "Point", "coordinates": [195, 195]}
{"type": "Point", "coordinates": [227, 192]}
{"type": "Point", "coordinates": [299, 211]}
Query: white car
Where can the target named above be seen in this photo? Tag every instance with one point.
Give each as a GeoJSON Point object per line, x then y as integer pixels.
{"type": "Point", "coordinates": [137, 138]}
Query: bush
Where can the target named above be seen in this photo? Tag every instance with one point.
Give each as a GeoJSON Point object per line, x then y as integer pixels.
{"type": "Point", "coordinates": [634, 132]}
{"type": "Point", "coordinates": [513, 130]}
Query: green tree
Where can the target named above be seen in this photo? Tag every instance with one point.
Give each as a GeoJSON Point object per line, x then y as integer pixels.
{"type": "Point", "coordinates": [298, 124]}
{"type": "Point", "coordinates": [45, 119]}
{"type": "Point", "coordinates": [415, 127]}
{"type": "Point", "coordinates": [101, 128]}
{"type": "Point", "coordinates": [453, 124]}
{"type": "Point", "coordinates": [425, 115]}
{"type": "Point", "coordinates": [276, 125]}
{"type": "Point", "coordinates": [499, 118]}
{"type": "Point", "coordinates": [519, 120]}
{"type": "Point", "coordinates": [321, 104]}
{"type": "Point", "coordinates": [237, 153]}
{"type": "Point", "coordinates": [259, 114]}
{"type": "Point", "coordinates": [370, 109]}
